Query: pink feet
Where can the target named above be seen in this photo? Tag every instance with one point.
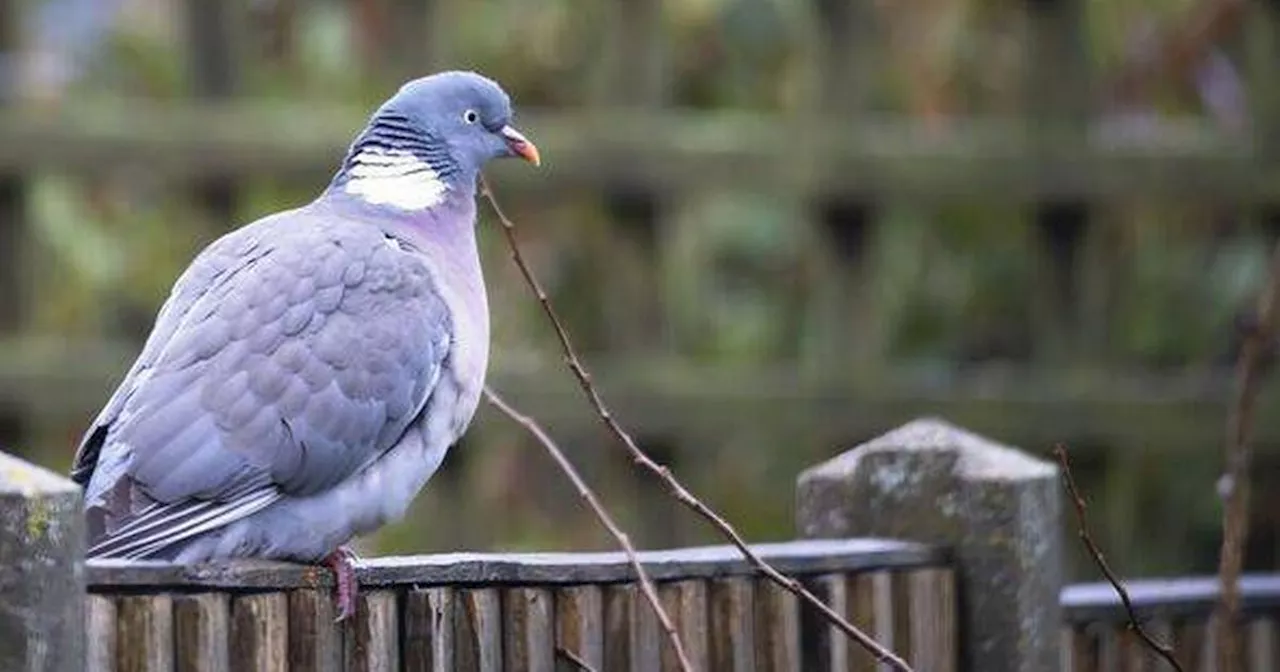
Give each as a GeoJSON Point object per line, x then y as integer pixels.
{"type": "Point", "coordinates": [343, 562]}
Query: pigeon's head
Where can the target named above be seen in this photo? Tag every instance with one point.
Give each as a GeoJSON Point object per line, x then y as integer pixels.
{"type": "Point", "coordinates": [430, 138]}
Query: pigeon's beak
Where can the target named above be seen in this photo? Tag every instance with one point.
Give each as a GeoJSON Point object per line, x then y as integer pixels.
{"type": "Point", "coordinates": [521, 145]}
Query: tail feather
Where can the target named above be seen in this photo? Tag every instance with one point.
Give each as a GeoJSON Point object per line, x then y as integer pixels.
{"type": "Point", "coordinates": [161, 526]}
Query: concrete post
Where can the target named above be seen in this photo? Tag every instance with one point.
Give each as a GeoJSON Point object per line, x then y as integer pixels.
{"type": "Point", "coordinates": [42, 577]}
{"type": "Point", "coordinates": [998, 508]}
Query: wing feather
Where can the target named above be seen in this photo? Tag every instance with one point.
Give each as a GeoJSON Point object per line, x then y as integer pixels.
{"type": "Point", "coordinates": [224, 412]}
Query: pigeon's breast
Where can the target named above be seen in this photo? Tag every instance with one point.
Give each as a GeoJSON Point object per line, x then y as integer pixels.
{"type": "Point", "coordinates": [456, 274]}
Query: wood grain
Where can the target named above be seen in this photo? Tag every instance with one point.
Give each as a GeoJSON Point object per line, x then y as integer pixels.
{"type": "Point", "coordinates": [260, 632]}
{"type": "Point", "coordinates": [315, 641]}
{"type": "Point", "coordinates": [145, 633]}
{"type": "Point", "coordinates": [202, 632]}
{"type": "Point", "coordinates": [580, 623]}
{"type": "Point", "coordinates": [100, 649]}
{"type": "Point", "coordinates": [528, 629]}
{"type": "Point", "coordinates": [478, 630]}
{"type": "Point", "coordinates": [732, 625]}
{"type": "Point", "coordinates": [372, 638]}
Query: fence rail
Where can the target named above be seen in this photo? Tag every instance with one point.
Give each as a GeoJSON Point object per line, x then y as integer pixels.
{"type": "Point", "coordinates": [522, 612]}
{"type": "Point", "coordinates": [1176, 611]}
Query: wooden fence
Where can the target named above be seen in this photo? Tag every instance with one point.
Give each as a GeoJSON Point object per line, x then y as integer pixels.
{"type": "Point", "coordinates": [624, 137]}
{"type": "Point", "coordinates": [520, 612]}
{"type": "Point", "coordinates": [1178, 612]}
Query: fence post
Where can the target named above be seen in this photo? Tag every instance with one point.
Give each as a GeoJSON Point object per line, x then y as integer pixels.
{"type": "Point", "coordinates": [997, 507]}
{"type": "Point", "coordinates": [42, 582]}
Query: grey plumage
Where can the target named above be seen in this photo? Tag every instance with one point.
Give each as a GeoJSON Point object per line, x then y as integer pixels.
{"type": "Point", "coordinates": [309, 371]}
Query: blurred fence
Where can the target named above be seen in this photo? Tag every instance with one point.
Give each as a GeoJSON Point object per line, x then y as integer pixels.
{"type": "Point", "coordinates": [1061, 163]}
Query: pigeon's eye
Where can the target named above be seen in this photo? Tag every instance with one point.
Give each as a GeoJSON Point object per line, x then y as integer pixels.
{"type": "Point", "coordinates": [470, 116]}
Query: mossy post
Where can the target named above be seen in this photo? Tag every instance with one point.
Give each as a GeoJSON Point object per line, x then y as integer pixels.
{"type": "Point", "coordinates": [996, 507]}
{"type": "Point", "coordinates": [42, 580]}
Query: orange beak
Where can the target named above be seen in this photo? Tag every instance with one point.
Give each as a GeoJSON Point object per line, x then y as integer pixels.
{"type": "Point", "coordinates": [521, 145]}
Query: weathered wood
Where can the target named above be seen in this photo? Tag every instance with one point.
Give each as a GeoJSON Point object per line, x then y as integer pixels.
{"type": "Point", "coordinates": [932, 607]}
{"type": "Point", "coordinates": [580, 623]}
{"type": "Point", "coordinates": [260, 632]}
{"type": "Point", "coordinates": [732, 625]}
{"type": "Point", "coordinates": [528, 629]}
{"type": "Point", "coordinates": [799, 557]}
{"type": "Point", "coordinates": [686, 604]}
{"type": "Point", "coordinates": [862, 589]}
{"type": "Point", "coordinates": [1264, 649]}
{"type": "Point", "coordinates": [144, 633]}
{"type": "Point", "coordinates": [428, 630]}
{"type": "Point", "coordinates": [372, 638]}
{"type": "Point", "coordinates": [617, 626]}
{"type": "Point", "coordinates": [645, 634]}
{"type": "Point", "coordinates": [1180, 597]}
{"type": "Point", "coordinates": [101, 640]}
{"type": "Point", "coordinates": [42, 617]}
{"type": "Point", "coordinates": [201, 632]}
{"type": "Point", "coordinates": [477, 638]}
{"type": "Point", "coordinates": [315, 641]}
{"type": "Point", "coordinates": [777, 628]}
{"type": "Point", "coordinates": [1189, 642]}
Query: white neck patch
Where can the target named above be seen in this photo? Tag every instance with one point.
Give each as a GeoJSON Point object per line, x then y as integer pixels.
{"type": "Point", "coordinates": [394, 177]}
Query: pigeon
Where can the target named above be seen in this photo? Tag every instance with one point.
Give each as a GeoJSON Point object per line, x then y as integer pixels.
{"type": "Point", "coordinates": [310, 370]}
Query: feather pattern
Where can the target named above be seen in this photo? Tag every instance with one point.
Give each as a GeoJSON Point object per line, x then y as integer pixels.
{"type": "Point", "coordinates": [309, 371]}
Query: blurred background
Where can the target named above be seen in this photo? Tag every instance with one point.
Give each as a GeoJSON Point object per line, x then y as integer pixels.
{"type": "Point", "coordinates": [776, 228]}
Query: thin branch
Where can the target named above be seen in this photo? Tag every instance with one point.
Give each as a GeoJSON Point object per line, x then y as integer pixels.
{"type": "Point", "coordinates": [575, 659]}
{"type": "Point", "coordinates": [584, 490]}
{"type": "Point", "coordinates": [1235, 482]}
{"type": "Point", "coordinates": [673, 485]}
{"type": "Point", "coordinates": [1070, 482]}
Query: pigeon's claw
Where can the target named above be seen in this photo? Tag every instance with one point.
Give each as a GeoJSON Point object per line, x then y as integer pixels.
{"type": "Point", "coordinates": [343, 562]}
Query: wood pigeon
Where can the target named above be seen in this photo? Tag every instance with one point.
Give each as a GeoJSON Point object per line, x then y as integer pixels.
{"type": "Point", "coordinates": [309, 371]}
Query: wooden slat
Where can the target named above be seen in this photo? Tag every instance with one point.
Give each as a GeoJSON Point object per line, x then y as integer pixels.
{"type": "Point", "coordinates": [862, 613]}
{"type": "Point", "coordinates": [617, 626]}
{"type": "Point", "coordinates": [1264, 648]}
{"type": "Point", "coordinates": [777, 626]}
{"type": "Point", "coordinates": [260, 632]}
{"type": "Point", "coordinates": [100, 649]}
{"type": "Point", "coordinates": [1189, 638]}
{"type": "Point", "coordinates": [202, 630]}
{"type": "Point", "coordinates": [732, 615]}
{"type": "Point", "coordinates": [830, 644]}
{"type": "Point", "coordinates": [686, 603]}
{"type": "Point", "coordinates": [933, 620]}
{"type": "Point", "coordinates": [580, 623]}
{"type": "Point", "coordinates": [145, 633]}
{"type": "Point", "coordinates": [315, 640]}
{"type": "Point", "coordinates": [477, 635]}
{"type": "Point", "coordinates": [428, 630]}
{"type": "Point", "coordinates": [645, 636]}
{"type": "Point", "coordinates": [528, 629]}
{"type": "Point", "coordinates": [372, 638]}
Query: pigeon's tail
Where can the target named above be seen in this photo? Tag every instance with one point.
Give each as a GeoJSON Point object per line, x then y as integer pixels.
{"type": "Point", "coordinates": [161, 526]}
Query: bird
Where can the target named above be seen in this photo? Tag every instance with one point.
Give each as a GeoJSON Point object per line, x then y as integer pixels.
{"type": "Point", "coordinates": [310, 370]}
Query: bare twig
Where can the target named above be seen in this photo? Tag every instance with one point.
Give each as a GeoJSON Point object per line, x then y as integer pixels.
{"type": "Point", "coordinates": [646, 584]}
{"type": "Point", "coordinates": [678, 490]}
{"type": "Point", "coordinates": [1234, 486]}
{"type": "Point", "coordinates": [1087, 538]}
{"type": "Point", "coordinates": [575, 659]}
